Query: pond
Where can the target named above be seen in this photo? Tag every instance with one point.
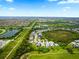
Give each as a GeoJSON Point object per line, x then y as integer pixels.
{"type": "Point", "coordinates": [9, 33]}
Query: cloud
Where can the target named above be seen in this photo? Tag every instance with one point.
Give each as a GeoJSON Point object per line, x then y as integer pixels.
{"type": "Point", "coordinates": [9, 1]}
{"type": "Point", "coordinates": [52, 0]}
{"type": "Point", "coordinates": [11, 9]}
{"type": "Point", "coordinates": [66, 10]}
{"type": "Point", "coordinates": [68, 1]}
{"type": "Point", "coordinates": [0, 8]}
{"type": "Point", "coordinates": [0, 5]}
{"type": "Point", "coordinates": [43, 6]}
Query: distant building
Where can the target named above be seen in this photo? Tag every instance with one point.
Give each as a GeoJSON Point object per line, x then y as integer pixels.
{"type": "Point", "coordinates": [75, 43]}
{"type": "Point", "coordinates": [51, 43]}
{"type": "Point", "coordinates": [46, 43]}
{"type": "Point", "coordinates": [38, 43]}
{"type": "Point", "coordinates": [39, 35]}
{"type": "Point", "coordinates": [56, 44]}
{"type": "Point", "coordinates": [33, 33]}
{"type": "Point", "coordinates": [1, 42]}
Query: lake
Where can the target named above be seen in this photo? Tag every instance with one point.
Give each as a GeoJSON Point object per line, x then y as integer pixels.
{"type": "Point", "coordinates": [9, 33]}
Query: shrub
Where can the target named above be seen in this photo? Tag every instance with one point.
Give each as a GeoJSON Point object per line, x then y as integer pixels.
{"type": "Point", "coordinates": [43, 49]}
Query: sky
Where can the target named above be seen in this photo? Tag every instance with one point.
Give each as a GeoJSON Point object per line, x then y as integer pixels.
{"type": "Point", "coordinates": [42, 8]}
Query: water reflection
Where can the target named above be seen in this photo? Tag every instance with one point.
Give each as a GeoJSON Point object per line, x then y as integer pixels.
{"type": "Point", "coordinates": [9, 33]}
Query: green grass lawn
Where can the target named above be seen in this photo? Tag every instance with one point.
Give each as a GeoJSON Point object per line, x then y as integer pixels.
{"type": "Point", "coordinates": [2, 31]}
{"type": "Point", "coordinates": [52, 54]}
{"type": "Point", "coordinates": [55, 56]}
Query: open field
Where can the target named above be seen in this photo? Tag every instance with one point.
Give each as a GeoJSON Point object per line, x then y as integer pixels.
{"type": "Point", "coordinates": [55, 56]}
{"type": "Point", "coordinates": [63, 36]}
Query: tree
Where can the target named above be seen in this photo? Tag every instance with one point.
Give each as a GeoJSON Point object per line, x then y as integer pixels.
{"type": "Point", "coordinates": [70, 50]}
{"type": "Point", "coordinates": [43, 49]}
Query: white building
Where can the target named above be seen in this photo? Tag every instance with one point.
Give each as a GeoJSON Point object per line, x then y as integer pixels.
{"type": "Point", "coordinates": [39, 35]}
{"type": "Point", "coordinates": [38, 43]}
{"type": "Point", "coordinates": [3, 43]}
{"type": "Point", "coordinates": [51, 43]}
{"type": "Point", "coordinates": [56, 44]}
{"type": "Point", "coordinates": [75, 43]}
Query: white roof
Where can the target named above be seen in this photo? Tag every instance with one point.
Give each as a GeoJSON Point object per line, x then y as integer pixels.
{"type": "Point", "coordinates": [73, 42]}
{"type": "Point", "coordinates": [56, 44]}
{"type": "Point", "coordinates": [76, 40]}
